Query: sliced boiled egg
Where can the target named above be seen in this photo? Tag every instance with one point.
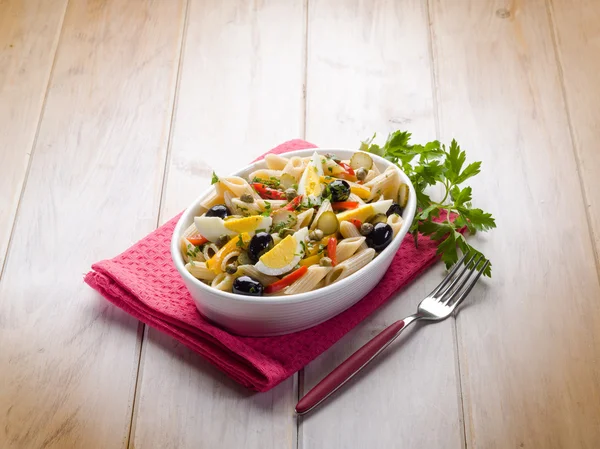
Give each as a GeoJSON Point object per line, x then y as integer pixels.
{"type": "Point", "coordinates": [285, 255]}
{"type": "Point", "coordinates": [366, 211]}
{"type": "Point", "coordinates": [214, 227]}
{"type": "Point", "coordinates": [310, 183]}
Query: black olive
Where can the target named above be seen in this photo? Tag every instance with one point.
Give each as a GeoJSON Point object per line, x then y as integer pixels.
{"type": "Point", "coordinates": [245, 285]}
{"type": "Point", "coordinates": [380, 236]}
{"type": "Point", "coordinates": [340, 190]}
{"type": "Point", "coordinates": [220, 210]}
{"type": "Point", "coordinates": [394, 209]}
{"type": "Point", "coordinates": [259, 244]}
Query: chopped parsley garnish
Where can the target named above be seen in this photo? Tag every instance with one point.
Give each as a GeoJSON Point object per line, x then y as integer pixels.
{"type": "Point", "coordinates": [214, 179]}
{"type": "Point", "coordinates": [192, 251]}
{"type": "Point", "coordinates": [267, 210]}
{"type": "Point", "coordinates": [240, 241]}
{"type": "Point", "coordinates": [303, 246]}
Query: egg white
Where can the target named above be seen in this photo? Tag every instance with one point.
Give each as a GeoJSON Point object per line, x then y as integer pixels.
{"type": "Point", "coordinates": [213, 227]}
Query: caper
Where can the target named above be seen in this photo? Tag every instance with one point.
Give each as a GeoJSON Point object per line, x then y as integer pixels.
{"type": "Point", "coordinates": [231, 268]}
{"type": "Point", "coordinates": [247, 198]}
{"type": "Point", "coordinates": [366, 228]}
{"type": "Point", "coordinates": [316, 235]}
{"type": "Point", "coordinates": [285, 232]}
{"type": "Point", "coordinates": [290, 194]}
{"type": "Point", "coordinates": [325, 262]}
{"type": "Point", "coordinates": [361, 174]}
{"type": "Point", "coordinates": [222, 240]}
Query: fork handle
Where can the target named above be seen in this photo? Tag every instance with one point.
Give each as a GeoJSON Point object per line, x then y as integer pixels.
{"type": "Point", "coordinates": [352, 365]}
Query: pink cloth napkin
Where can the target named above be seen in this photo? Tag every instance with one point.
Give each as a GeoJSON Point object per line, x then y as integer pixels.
{"type": "Point", "coordinates": [144, 282]}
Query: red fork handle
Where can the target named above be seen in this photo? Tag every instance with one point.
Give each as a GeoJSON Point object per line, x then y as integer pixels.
{"type": "Point", "coordinates": [352, 365]}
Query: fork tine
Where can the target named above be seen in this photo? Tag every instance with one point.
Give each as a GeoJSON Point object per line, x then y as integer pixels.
{"type": "Point", "coordinates": [448, 294]}
{"type": "Point", "coordinates": [470, 286]}
{"type": "Point", "coordinates": [449, 275]}
{"type": "Point", "coordinates": [447, 290]}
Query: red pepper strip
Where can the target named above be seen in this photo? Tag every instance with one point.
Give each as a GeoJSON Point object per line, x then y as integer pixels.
{"type": "Point", "coordinates": [331, 248]}
{"type": "Point", "coordinates": [267, 192]}
{"type": "Point", "coordinates": [286, 280]}
{"type": "Point", "coordinates": [356, 222]}
{"type": "Point", "coordinates": [293, 205]}
{"type": "Point", "coordinates": [197, 240]}
{"type": "Point", "coordinates": [344, 205]}
{"type": "Point", "coordinates": [346, 167]}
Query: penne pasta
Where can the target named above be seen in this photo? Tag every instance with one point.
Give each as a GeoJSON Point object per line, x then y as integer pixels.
{"type": "Point", "coordinates": [190, 231]}
{"type": "Point", "coordinates": [229, 258]}
{"type": "Point", "coordinates": [223, 282]}
{"type": "Point", "coordinates": [330, 168]}
{"type": "Point", "coordinates": [252, 271]}
{"type": "Point", "coordinates": [295, 167]}
{"type": "Point", "coordinates": [385, 184]}
{"type": "Point", "coordinates": [349, 266]}
{"type": "Point", "coordinates": [324, 207]}
{"type": "Point", "coordinates": [347, 247]}
{"type": "Point", "coordinates": [348, 230]}
{"type": "Point", "coordinates": [200, 271]}
{"type": "Point", "coordinates": [209, 251]}
{"type": "Point", "coordinates": [304, 219]}
{"type": "Point", "coordinates": [191, 252]}
{"type": "Point", "coordinates": [275, 204]}
{"type": "Point", "coordinates": [395, 221]}
{"type": "Point", "coordinates": [264, 174]}
{"type": "Point", "coordinates": [275, 161]}
{"type": "Point", "coordinates": [371, 174]}
{"type": "Point", "coordinates": [245, 209]}
{"type": "Point", "coordinates": [236, 185]}
{"type": "Point", "coordinates": [215, 197]}
{"type": "Point", "coordinates": [356, 198]}
{"type": "Point", "coordinates": [309, 281]}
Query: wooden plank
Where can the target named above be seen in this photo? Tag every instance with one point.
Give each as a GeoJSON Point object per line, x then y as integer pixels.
{"type": "Point", "coordinates": [240, 94]}
{"type": "Point", "coordinates": [529, 343]}
{"type": "Point", "coordinates": [25, 62]}
{"type": "Point", "coordinates": [577, 30]}
{"type": "Point", "coordinates": [69, 359]}
{"type": "Point", "coordinates": [369, 70]}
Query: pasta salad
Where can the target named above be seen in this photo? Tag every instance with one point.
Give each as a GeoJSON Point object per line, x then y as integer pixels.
{"type": "Point", "coordinates": [297, 225]}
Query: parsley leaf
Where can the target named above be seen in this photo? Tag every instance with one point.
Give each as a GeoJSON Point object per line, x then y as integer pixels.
{"type": "Point", "coordinates": [240, 242]}
{"type": "Point", "coordinates": [434, 164]}
{"type": "Point", "coordinates": [214, 179]}
{"type": "Point", "coordinates": [267, 211]}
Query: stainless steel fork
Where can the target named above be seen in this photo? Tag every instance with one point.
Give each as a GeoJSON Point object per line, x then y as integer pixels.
{"type": "Point", "coordinates": [437, 306]}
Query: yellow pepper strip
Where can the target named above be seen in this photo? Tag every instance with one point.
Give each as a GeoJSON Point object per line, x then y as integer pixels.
{"type": "Point", "coordinates": [312, 260]}
{"type": "Point", "coordinates": [236, 243]}
{"type": "Point", "coordinates": [361, 191]}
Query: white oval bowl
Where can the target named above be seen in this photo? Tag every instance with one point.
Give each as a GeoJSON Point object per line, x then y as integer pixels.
{"type": "Point", "coordinates": [276, 315]}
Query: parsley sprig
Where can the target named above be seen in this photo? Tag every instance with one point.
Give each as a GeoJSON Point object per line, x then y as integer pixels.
{"type": "Point", "coordinates": [429, 165]}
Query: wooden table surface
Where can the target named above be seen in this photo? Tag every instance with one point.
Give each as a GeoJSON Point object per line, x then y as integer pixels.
{"type": "Point", "coordinates": [113, 114]}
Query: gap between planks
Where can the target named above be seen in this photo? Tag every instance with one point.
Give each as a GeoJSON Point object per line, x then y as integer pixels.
{"type": "Point", "coordinates": [574, 147]}
{"type": "Point", "coordinates": [35, 139]}
{"type": "Point", "coordinates": [436, 118]}
{"type": "Point", "coordinates": [143, 329]}
{"type": "Point", "coordinates": [299, 376]}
